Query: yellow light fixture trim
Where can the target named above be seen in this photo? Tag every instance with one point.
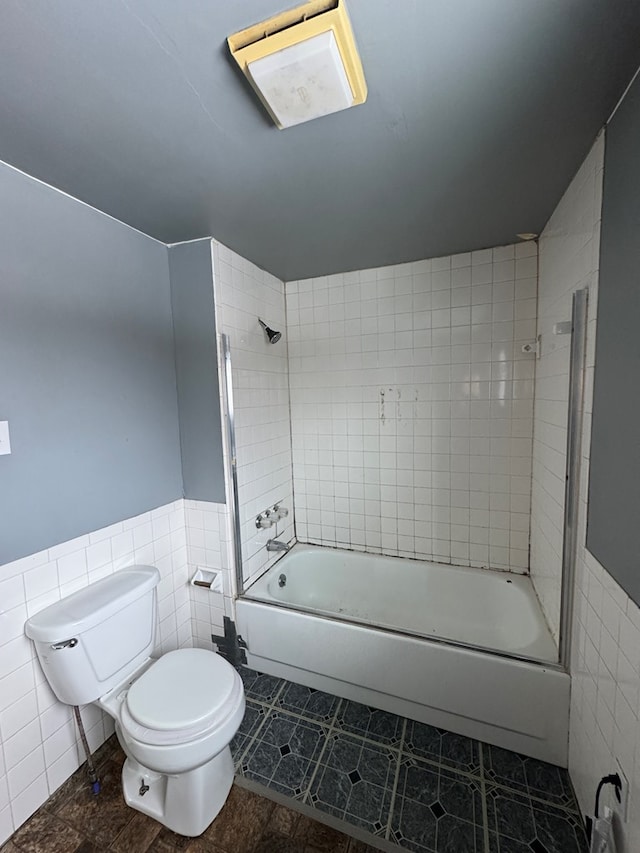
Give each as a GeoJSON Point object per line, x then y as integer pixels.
{"type": "Point", "coordinates": [303, 63]}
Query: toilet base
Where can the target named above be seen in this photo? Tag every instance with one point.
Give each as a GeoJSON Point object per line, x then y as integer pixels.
{"type": "Point", "coordinates": [185, 803]}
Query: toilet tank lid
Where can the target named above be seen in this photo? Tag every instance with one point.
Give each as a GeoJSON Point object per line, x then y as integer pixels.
{"type": "Point", "coordinates": [90, 606]}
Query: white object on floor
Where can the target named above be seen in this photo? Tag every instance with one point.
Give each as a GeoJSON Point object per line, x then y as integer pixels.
{"type": "Point", "coordinates": [602, 840]}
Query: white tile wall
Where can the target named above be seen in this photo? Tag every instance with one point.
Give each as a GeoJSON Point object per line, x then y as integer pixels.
{"type": "Point", "coordinates": [605, 666]}
{"type": "Point", "coordinates": [261, 398]}
{"type": "Point", "coordinates": [411, 407]}
{"type": "Point", "coordinates": [39, 747]}
{"type": "Point", "coordinates": [208, 547]}
{"type": "Point", "coordinates": [568, 251]}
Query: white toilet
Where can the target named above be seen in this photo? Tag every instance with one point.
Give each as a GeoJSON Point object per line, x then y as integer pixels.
{"type": "Point", "coordinates": [175, 715]}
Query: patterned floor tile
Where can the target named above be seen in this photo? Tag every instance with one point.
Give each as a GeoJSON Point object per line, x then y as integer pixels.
{"type": "Point", "coordinates": [254, 716]}
{"type": "Point", "coordinates": [310, 703]}
{"type": "Point", "coordinates": [380, 726]}
{"type": "Point", "coordinates": [455, 751]}
{"type": "Point", "coordinates": [436, 810]}
{"type": "Point", "coordinates": [354, 782]}
{"type": "Point", "coordinates": [284, 754]}
{"type": "Point", "coordinates": [529, 776]}
{"type": "Point", "coordinates": [263, 688]}
{"type": "Point", "coordinates": [518, 823]}
{"type": "Point", "coordinates": [99, 818]}
{"type": "Point", "coordinates": [47, 832]}
{"type": "Point", "coordinates": [241, 822]}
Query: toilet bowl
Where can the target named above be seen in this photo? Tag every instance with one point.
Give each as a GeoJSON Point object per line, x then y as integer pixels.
{"type": "Point", "coordinates": [175, 715]}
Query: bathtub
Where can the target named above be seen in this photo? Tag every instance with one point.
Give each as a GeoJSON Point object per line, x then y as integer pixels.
{"type": "Point", "coordinates": [463, 649]}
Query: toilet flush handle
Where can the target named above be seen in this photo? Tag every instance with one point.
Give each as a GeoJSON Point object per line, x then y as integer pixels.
{"type": "Point", "coordinates": [65, 644]}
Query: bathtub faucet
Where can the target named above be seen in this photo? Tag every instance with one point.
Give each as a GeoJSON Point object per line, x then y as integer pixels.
{"type": "Point", "coordinates": [277, 545]}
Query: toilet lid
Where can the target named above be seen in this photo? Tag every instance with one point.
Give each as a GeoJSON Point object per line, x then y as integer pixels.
{"type": "Point", "coordinates": [183, 689]}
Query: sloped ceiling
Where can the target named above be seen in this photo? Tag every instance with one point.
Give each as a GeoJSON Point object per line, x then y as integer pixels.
{"type": "Point", "coordinates": [479, 113]}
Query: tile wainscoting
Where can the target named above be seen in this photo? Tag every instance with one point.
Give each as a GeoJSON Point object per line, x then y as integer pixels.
{"type": "Point", "coordinates": [39, 746]}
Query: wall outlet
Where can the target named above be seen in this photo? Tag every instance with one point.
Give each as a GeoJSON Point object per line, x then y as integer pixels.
{"type": "Point", "coordinates": [621, 808]}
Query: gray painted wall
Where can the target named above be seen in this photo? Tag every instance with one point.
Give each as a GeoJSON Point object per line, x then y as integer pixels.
{"type": "Point", "coordinates": [194, 326]}
{"type": "Point", "coordinates": [87, 374]}
{"type": "Point", "coordinates": [614, 490]}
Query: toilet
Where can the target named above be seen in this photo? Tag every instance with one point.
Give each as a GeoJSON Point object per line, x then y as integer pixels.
{"type": "Point", "coordinates": [175, 715]}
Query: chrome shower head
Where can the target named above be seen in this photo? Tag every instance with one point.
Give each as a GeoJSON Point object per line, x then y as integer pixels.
{"type": "Point", "coordinates": [274, 337]}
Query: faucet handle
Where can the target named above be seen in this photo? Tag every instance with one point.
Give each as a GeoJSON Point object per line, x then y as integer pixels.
{"type": "Point", "coordinates": [280, 511]}
{"type": "Point", "coordinates": [264, 520]}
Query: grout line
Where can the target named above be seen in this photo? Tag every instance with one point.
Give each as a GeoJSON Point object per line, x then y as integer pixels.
{"type": "Point", "coordinates": [394, 789]}
{"type": "Point", "coordinates": [331, 725]}
{"type": "Point", "coordinates": [330, 729]}
{"type": "Point", "coordinates": [251, 739]}
{"type": "Point", "coordinates": [537, 799]}
{"type": "Point", "coordinates": [335, 729]}
{"type": "Point", "coordinates": [483, 799]}
{"type": "Point", "coordinates": [267, 706]}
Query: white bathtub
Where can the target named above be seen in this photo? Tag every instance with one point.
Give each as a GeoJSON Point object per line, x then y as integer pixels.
{"type": "Point", "coordinates": [395, 634]}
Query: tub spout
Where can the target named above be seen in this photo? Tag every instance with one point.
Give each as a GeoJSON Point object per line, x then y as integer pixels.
{"type": "Point", "coordinates": [277, 545]}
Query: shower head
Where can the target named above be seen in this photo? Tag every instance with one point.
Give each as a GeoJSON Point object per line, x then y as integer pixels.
{"type": "Point", "coordinates": [274, 337]}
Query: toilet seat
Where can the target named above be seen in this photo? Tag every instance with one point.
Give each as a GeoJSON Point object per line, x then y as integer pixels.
{"type": "Point", "coordinates": [182, 696]}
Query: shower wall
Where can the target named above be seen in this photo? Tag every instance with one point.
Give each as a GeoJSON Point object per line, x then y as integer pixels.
{"type": "Point", "coordinates": [568, 260]}
{"type": "Point", "coordinates": [243, 292]}
{"type": "Point", "coordinates": [412, 406]}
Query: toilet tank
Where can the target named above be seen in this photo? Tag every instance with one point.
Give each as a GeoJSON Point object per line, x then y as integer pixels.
{"type": "Point", "coordinates": [89, 641]}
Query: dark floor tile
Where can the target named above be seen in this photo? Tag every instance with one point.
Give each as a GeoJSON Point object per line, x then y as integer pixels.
{"type": "Point", "coordinates": [502, 844]}
{"type": "Point", "coordinates": [514, 817]}
{"type": "Point", "coordinates": [9, 847]}
{"type": "Point", "coordinates": [100, 818]}
{"type": "Point", "coordinates": [106, 751]}
{"type": "Point", "coordinates": [284, 754]}
{"type": "Point", "coordinates": [436, 809]}
{"type": "Point", "coordinates": [452, 750]}
{"type": "Point", "coordinates": [274, 843]}
{"type": "Point", "coordinates": [118, 756]}
{"type": "Point", "coordinates": [356, 846]}
{"type": "Point", "coordinates": [137, 835]}
{"type": "Point", "coordinates": [283, 821]}
{"type": "Point", "coordinates": [197, 845]}
{"type": "Point", "coordinates": [73, 784]}
{"type": "Point", "coordinates": [241, 822]}
{"type": "Point", "coordinates": [253, 718]}
{"type": "Point", "coordinates": [320, 837]}
{"type": "Point", "coordinates": [529, 776]}
{"type": "Point", "coordinates": [310, 703]}
{"type": "Point", "coordinates": [45, 833]}
{"type": "Point", "coordinates": [169, 842]}
{"type": "Point", "coordinates": [354, 782]}
{"type": "Point", "coordinates": [380, 726]}
{"type": "Point", "coordinates": [89, 847]}
{"type": "Point", "coordinates": [264, 688]}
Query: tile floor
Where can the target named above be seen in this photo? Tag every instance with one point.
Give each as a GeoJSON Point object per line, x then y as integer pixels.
{"type": "Point", "coordinates": [313, 771]}
{"type": "Point", "coordinates": [401, 784]}
{"type": "Point", "coordinates": [74, 821]}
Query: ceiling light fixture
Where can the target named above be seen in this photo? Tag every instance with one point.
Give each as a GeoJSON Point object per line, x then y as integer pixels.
{"type": "Point", "coordinates": [527, 235]}
{"type": "Point", "coordinates": [303, 63]}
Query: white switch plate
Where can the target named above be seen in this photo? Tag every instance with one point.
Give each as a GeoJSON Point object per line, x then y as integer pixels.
{"type": "Point", "coordinates": [5, 444]}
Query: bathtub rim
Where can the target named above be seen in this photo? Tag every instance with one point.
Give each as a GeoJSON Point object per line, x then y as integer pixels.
{"type": "Point", "coordinates": [441, 641]}
{"type": "Point", "coordinates": [244, 596]}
